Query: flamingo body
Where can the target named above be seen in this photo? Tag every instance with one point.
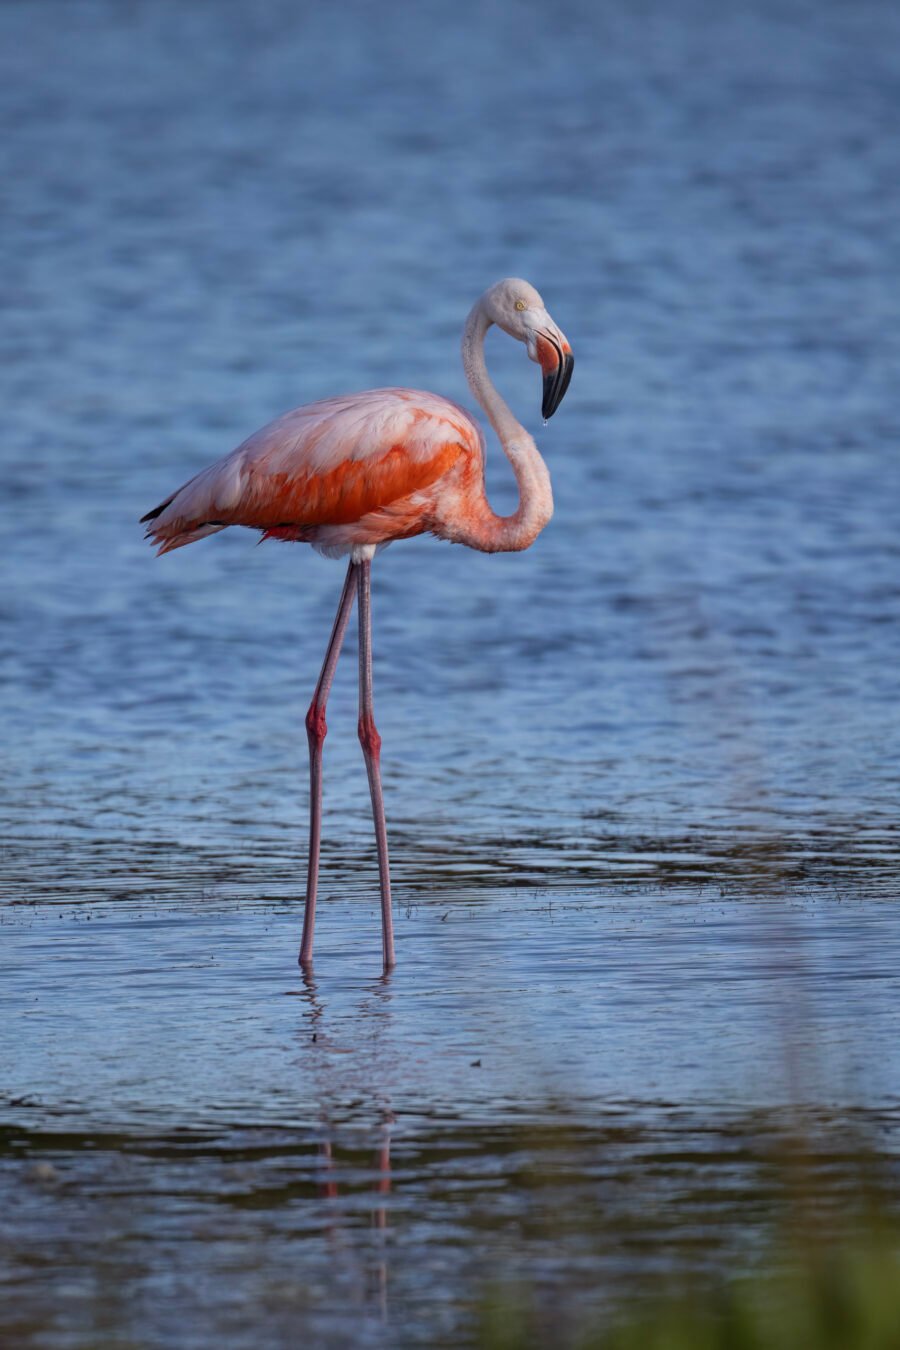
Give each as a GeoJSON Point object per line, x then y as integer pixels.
{"type": "Point", "coordinates": [349, 475]}
{"type": "Point", "coordinates": [361, 469]}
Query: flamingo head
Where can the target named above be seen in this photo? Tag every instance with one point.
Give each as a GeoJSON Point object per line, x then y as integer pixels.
{"type": "Point", "coordinates": [517, 308]}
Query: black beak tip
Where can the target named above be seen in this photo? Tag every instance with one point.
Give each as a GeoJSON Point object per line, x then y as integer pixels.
{"type": "Point", "coordinates": [555, 386]}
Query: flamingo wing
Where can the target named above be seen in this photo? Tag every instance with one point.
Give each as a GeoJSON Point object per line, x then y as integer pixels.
{"type": "Point", "coordinates": [325, 465]}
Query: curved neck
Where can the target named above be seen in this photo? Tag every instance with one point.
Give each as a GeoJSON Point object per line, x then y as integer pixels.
{"type": "Point", "coordinates": [483, 528]}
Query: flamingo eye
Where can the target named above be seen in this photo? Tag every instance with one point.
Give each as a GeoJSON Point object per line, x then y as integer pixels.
{"type": "Point", "coordinates": [520, 305]}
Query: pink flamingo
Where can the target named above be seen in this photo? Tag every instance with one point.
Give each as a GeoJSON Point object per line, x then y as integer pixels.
{"type": "Point", "coordinates": [350, 475]}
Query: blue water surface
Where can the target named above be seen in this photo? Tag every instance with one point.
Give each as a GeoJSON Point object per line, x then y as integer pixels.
{"type": "Point", "coordinates": [642, 780]}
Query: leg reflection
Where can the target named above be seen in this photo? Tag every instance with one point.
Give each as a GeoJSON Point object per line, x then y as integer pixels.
{"type": "Point", "coordinates": [380, 1224]}
{"type": "Point", "coordinates": [342, 1075]}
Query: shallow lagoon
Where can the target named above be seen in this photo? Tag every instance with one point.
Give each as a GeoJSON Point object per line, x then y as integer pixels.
{"type": "Point", "coordinates": [641, 781]}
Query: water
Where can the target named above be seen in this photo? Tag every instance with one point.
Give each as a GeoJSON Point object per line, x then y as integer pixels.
{"type": "Point", "coordinates": [641, 781]}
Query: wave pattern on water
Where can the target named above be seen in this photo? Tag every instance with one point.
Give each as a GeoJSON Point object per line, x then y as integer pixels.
{"type": "Point", "coordinates": [642, 780]}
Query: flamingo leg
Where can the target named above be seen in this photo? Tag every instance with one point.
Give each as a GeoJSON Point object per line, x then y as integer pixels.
{"type": "Point", "coordinates": [370, 741]}
{"type": "Point", "coordinates": [316, 728]}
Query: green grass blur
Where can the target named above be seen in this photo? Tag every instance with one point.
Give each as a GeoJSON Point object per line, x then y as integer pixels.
{"type": "Point", "coordinates": [845, 1300]}
{"type": "Point", "coordinates": [827, 1276]}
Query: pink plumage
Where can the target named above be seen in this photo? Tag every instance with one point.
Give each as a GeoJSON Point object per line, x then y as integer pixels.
{"type": "Point", "coordinates": [351, 474]}
{"type": "Point", "coordinates": [364, 468]}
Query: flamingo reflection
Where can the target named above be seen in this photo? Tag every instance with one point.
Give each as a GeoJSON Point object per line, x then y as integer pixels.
{"type": "Point", "coordinates": [336, 1077]}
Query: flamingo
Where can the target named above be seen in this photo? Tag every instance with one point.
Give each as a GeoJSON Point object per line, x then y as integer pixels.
{"type": "Point", "coordinates": [351, 475]}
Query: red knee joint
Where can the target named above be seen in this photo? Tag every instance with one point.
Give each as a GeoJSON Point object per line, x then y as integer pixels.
{"type": "Point", "coordinates": [316, 726]}
{"type": "Point", "coordinates": [369, 738]}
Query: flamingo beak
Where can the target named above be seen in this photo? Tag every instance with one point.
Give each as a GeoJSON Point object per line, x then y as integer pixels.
{"type": "Point", "coordinates": [557, 363]}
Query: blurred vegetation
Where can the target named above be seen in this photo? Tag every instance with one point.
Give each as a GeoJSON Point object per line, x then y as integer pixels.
{"type": "Point", "coordinates": [827, 1277]}
{"type": "Point", "coordinates": [815, 1298]}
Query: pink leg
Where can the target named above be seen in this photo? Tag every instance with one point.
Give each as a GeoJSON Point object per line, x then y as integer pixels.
{"type": "Point", "coordinates": [316, 727]}
{"type": "Point", "coordinates": [370, 741]}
